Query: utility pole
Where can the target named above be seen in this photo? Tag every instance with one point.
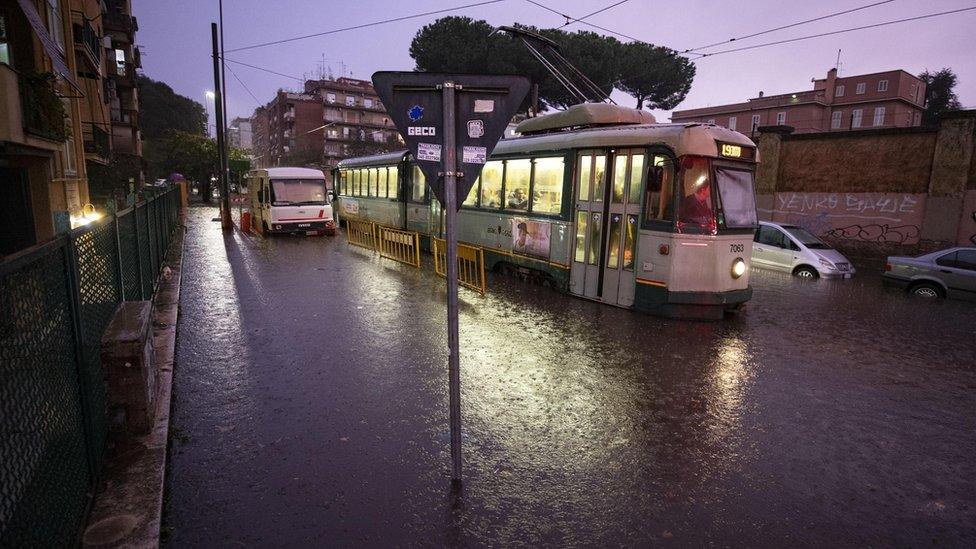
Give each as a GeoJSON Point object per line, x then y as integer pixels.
{"type": "Point", "coordinates": [223, 81]}
{"type": "Point", "coordinates": [225, 221]}
{"type": "Point", "coordinates": [450, 209]}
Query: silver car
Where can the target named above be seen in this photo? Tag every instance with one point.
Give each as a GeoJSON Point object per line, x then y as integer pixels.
{"type": "Point", "coordinates": [946, 273]}
{"type": "Point", "coordinates": [793, 249]}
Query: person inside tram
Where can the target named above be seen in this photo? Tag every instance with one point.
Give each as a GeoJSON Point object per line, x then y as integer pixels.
{"type": "Point", "coordinates": [696, 208]}
{"type": "Point", "coordinates": [519, 200]}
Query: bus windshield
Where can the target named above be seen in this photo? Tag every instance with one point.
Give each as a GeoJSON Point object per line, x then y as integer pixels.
{"type": "Point", "coordinates": [735, 188]}
{"type": "Point", "coordinates": [298, 191]}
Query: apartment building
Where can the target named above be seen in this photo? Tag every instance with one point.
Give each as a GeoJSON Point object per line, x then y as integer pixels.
{"type": "Point", "coordinates": [239, 134]}
{"type": "Point", "coordinates": [890, 99]}
{"type": "Point", "coordinates": [121, 89]}
{"type": "Point", "coordinates": [330, 120]}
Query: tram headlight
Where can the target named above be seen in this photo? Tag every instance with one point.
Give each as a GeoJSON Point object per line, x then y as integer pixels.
{"type": "Point", "coordinates": [738, 267]}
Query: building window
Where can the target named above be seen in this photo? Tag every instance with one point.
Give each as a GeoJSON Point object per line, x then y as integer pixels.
{"type": "Point", "coordinates": [840, 91]}
{"type": "Point", "coordinates": [732, 122]}
{"type": "Point", "coordinates": [350, 101]}
{"type": "Point", "coordinates": [70, 162]}
{"type": "Point", "coordinates": [861, 86]}
{"type": "Point", "coordinates": [882, 85]}
{"type": "Point", "coordinates": [755, 121]}
{"type": "Point", "coordinates": [781, 118]}
{"type": "Point", "coordinates": [4, 45]}
{"type": "Point", "coordinates": [120, 62]}
{"type": "Point", "coordinates": [54, 23]}
{"type": "Point", "coordinates": [879, 113]}
{"type": "Point", "coordinates": [330, 97]}
{"type": "Point", "coordinates": [835, 119]}
{"type": "Point", "coordinates": [368, 103]}
{"type": "Point", "coordinates": [856, 118]}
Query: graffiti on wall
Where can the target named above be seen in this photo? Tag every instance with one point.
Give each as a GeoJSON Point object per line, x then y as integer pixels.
{"type": "Point", "coordinates": [967, 225]}
{"type": "Point", "coordinates": [870, 217]}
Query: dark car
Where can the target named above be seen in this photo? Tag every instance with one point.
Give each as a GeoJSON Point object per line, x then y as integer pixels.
{"type": "Point", "coordinates": [946, 273]}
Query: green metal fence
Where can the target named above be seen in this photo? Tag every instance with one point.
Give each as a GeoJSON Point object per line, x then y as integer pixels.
{"type": "Point", "coordinates": [56, 299]}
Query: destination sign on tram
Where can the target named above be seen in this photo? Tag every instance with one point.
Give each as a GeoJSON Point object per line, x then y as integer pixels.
{"type": "Point", "coordinates": [735, 151]}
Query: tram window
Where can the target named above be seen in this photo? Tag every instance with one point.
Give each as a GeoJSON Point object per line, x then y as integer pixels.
{"type": "Point", "coordinates": [418, 184]}
{"type": "Point", "coordinates": [599, 178]}
{"type": "Point", "coordinates": [581, 217]}
{"type": "Point", "coordinates": [613, 243]}
{"type": "Point", "coordinates": [491, 185]}
{"type": "Point", "coordinates": [547, 185]}
{"type": "Point", "coordinates": [596, 237]}
{"type": "Point", "coordinates": [517, 173]}
{"type": "Point", "coordinates": [373, 182]}
{"type": "Point", "coordinates": [585, 165]}
{"type": "Point", "coordinates": [472, 199]}
{"type": "Point", "coordinates": [629, 242]}
{"type": "Point", "coordinates": [394, 178]}
{"type": "Point", "coordinates": [354, 183]}
{"type": "Point", "coordinates": [658, 205]}
{"type": "Point", "coordinates": [696, 206]}
{"type": "Point", "coordinates": [381, 184]}
{"type": "Point", "coordinates": [636, 173]}
{"type": "Point", "coordinates": [738, 200]}
{"type": "Point", "coordinates": [619, 178]}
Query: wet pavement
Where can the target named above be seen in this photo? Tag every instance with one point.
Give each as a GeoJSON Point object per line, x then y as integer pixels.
{"type": "Point", "coordinates": [310, 408]}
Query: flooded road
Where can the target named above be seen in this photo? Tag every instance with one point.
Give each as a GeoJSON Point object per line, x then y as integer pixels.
{"type": "Point", "coordinates": [310, 407]}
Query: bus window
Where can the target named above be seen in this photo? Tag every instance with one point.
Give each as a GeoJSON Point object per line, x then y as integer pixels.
{"type": "Point", "coordinates": [418, 185]}
{"type": "Point", "coordinates": [658, 205]}
{"type": "Point", "coordinates": [696, 207]}
{"type": "Point", "coordinates": [517, 174]}
{"type": "Point", "coordinates": [394, 182]}
{"type": "Point", "coordinates": [547, 185]}
{"type": "Point", "coordinates": [599, 178]}
{"type": "Point", "coordinates": [636, 173]}
{"type": "Point", "coordinates": [491, 185]}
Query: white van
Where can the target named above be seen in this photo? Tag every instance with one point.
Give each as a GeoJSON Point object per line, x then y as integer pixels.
{"type": "Point", "coordinates": [290, 200]}
{"type": "Point", "coordinates": [793, 249]}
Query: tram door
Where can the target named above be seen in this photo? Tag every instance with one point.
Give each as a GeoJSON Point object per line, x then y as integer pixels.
{"type": "Point", "coordinates": [608, 187]}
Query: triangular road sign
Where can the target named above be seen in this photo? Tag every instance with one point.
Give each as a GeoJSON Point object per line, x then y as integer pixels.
{"type": "Point", "coordinates": [484, 105]}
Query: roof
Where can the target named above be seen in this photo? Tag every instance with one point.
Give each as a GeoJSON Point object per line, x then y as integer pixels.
{"type": "Point", "coordinates": [292, 172]}
{"type": "Point", "coordinates": [375, 160]}
{"type": "Point", "coordinates": [585, 115]}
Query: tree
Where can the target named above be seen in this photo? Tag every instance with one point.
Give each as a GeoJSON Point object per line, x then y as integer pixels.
{"type": "Point", "coordinates": [654, 75]}
{"type": "Point", "coordinates": [940, 96]}
{"type": "Point", "coordinates": [162, 109]}
{"type": "Point", "coordinates": [194, 156]}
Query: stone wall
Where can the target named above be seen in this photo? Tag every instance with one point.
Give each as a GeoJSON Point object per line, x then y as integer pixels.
{"type": "Point", "coordinates": [874, 192]}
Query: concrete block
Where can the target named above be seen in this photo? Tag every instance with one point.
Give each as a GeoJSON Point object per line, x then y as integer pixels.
{"type": "Point", "coordinates": [941, 221]}
{"type": "Point", "coordinates": [128, 363]}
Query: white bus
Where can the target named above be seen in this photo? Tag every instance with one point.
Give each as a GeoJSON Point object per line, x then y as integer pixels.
{"type": "Point", "coordinates": [290, 200]}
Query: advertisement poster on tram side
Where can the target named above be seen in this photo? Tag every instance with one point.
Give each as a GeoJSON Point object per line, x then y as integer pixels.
{"type": "Point", "coordinates": [531, 237]}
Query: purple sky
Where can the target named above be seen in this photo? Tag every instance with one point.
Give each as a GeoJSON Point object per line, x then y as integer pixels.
{"type": "Point", "coordinates": [175, 40]}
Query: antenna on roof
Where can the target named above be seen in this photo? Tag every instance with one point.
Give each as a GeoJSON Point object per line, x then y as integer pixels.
{"type": "Point", "coordinates": [547, 52]}
{"type": "Point", "coordinates": [837, 66]}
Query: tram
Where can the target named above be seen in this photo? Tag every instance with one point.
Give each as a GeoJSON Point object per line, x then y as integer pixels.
{"type": "Point", "coordinates": [598, 200]}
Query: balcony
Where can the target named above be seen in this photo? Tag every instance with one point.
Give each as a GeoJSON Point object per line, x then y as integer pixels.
{"type": "Point", "coordinates": [41, 108]}
{"type": "Point", "coordinates": [124, 74]}
{"type": "Point", "coordinates": [125, 117]}
{"type": "Point", "coordinates": [119, 22]}
{"type": "Point", "coordinates": [136, 58]}
{"type": "Point", "coordinates": [96, 143]}
{"type": "Point", "coordinates": [88, 45]}
{"type": "Point", "coordinates": [289, 115]}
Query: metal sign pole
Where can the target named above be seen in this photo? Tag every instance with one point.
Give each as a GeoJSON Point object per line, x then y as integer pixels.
{"type": "Point", "coordinates": [450, 215]}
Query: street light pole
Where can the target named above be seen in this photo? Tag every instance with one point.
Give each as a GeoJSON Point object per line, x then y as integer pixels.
{"type": "Point", "coordinates": [450, 214]}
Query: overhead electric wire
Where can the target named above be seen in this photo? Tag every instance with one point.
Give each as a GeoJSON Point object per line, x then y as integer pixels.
{"type": "Point", "coordinates": [243, 85]}
{"type": "Point", "coordinates": [831, 33]}
{"type": "Point", "coordinates": [591, 14]}
{"type": "Point", "coordinates": [580, 20]}
{"type": "Point", "coordinates": [364, 25]}
{"type": "Point", "coordinates": [791, 25]}
{"type": "Point", "coordinates": [264, 69]}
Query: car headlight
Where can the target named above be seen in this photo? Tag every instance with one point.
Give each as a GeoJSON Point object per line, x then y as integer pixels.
{"type": "Point", "coordinates": [827, 264]}
{"type": "Point", "coordinates": [738, 267]}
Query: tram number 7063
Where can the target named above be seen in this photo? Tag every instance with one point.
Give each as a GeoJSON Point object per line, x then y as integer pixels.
{"type": "Point", "coordinates": [737, 248]}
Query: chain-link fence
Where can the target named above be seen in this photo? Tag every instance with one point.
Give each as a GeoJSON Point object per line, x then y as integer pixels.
{"type": "Point", "coordinates": [56, 299]}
